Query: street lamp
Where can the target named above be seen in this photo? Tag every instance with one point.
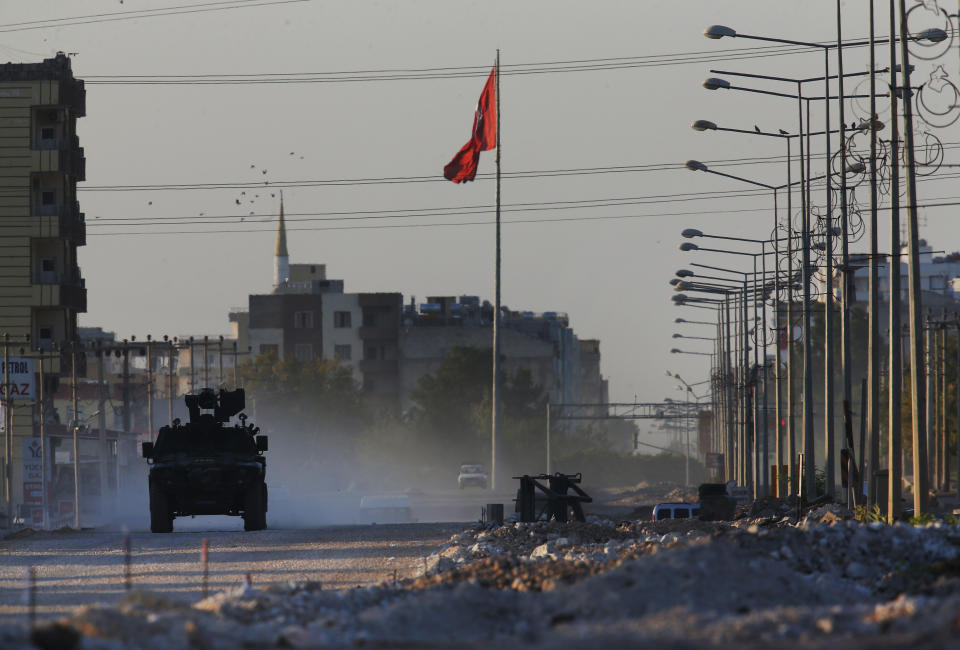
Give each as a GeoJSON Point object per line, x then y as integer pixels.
{"type": "Point", "coordinates": [761, 482]}
{"type": "Point", "coordinates": [736, 401]}
{"type": "Point", "coordinates": [933, 35]}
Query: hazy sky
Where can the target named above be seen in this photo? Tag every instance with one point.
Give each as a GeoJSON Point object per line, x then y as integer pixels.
{"type": "Point", "coordinates": [609, 275]}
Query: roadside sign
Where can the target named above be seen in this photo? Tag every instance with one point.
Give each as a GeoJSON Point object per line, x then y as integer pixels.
{"type": "Point", "coordinates": [22, 384]}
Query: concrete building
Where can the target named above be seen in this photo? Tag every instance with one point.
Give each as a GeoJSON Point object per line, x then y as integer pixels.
{"type": "Point", "coordinates": [939, 274]}
{"type": "Point", "coordinates": [567, 369]}
{"type": "Point", "coordinates": [308, 316]}
{"type": "Point", "coordinates": [41, 289]}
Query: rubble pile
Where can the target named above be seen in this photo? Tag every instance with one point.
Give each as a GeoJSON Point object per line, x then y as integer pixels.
{"type": "Point", "coordinates": [823, 581]}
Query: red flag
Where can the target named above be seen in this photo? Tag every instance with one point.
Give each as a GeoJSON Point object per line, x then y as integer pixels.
{"type": "Point", "coordinates": [463, 167]}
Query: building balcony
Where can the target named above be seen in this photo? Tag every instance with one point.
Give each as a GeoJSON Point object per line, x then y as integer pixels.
{"type": "Point", "coordinates": [50, 156]}
{"type": "Point", "coordinates": [378, 333]}
{"type": "Point", "coordinates": [379, 366]}
{"type": "Point", "coordinates": [64, 222]}
{"type": "Point", "coordinates": [51, 291]}
{"type": "Point", "coordinates": [73, 163]}
{"type": "Point", "coordinates": [73, 93]}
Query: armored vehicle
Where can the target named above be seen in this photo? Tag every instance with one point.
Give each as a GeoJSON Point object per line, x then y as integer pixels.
{"type": "Point", "coordinates": [206, 467]}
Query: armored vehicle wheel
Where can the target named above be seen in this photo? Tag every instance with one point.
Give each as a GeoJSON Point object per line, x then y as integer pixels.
{"type": "Point", "coordinates": [160, 519]}
{"type": "Point", "coordinates": [255, 504]}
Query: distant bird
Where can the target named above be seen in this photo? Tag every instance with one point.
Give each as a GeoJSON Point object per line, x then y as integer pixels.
{"type": "Point", "coordinates": [238, 201]}
{"type": "Point", "coordinates": [242, 218]}
{"type": "Point", "coordinates": [253, 166]}
{"type": "Point", "coordinates": [756, 128]}
{"type": "Point", "coordinates": [264, 171]}
{"type": "Point", "coordinates": [291, 153]}
{"type": "Point", "coordinates": [201, 214]}
{"type": "Point", "coordinates": [242, 193]}
{"type": "Point", "coordinates": [782, 132]}
{"type": "Point", "coordinates": [256, 196]}
{"type": "Point", "coordinates": [149, 202]}
{"type": "Point", "coordinates": [273, 196]}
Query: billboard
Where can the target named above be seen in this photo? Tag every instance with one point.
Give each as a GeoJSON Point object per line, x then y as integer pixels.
{"type": "Point", "coordinates": [22, 382]}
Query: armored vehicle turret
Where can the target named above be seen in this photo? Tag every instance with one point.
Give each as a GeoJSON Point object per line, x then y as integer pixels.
{"type": "Point", "coordinates": [206, 466]}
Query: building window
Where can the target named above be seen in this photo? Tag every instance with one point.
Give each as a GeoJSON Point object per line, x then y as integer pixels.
{"type": "Point", "coordinates": [48, 198]}
{"type": "Point", "coordinates": [46, 333]}
{"type": "Point", "coordinates": [267, 348]}
{"type": "Point", "coordinates": [341, 319]}
{"type": "Point", "coordinates": [303, 319]}
{"type": "Point", "coordinates": [303, 352]}
{"type": "Point", "coordinates": [343, 352]}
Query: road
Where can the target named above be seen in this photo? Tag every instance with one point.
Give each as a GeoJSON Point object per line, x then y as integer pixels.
{"type": "Point", "coordinates": [322, 537]}
{"type": "Point", "coordinates": [76, 568]}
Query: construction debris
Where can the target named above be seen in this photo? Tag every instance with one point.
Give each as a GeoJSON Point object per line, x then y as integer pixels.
{"type": "Point", "coordinates": [823, 581]}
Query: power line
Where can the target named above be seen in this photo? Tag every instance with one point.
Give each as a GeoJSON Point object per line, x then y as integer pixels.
{"type": "Point", "coordinates": [136, 14]}
{"type": "Point", "coordinates": [410, 213]}
{"type": "Point", "coordinates": [432, 225]}
{"type": "Point", "coordinates": [420, 74]}
{"type": "Point", "coordinates": [436, 178]}
{"type": "Point", "coordinates": [294, 217]}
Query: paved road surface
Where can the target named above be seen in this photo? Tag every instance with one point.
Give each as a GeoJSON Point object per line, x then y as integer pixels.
{"type": "Point", "coordinates": [83, 567]}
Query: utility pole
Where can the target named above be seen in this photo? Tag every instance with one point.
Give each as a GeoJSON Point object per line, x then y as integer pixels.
{"type": "Point", "coordinates": [873, 308]}
{"type": "Point", "coordinates": [126, 407]}
{"type": "Point", "coordinates": [956, 323]}
{"type": "Point", "coordinates": [102, 422]}
{"type": "Point", "coordinates": [43, 445]}
{"type": "Point", "coordinates": [206, 375]}
{"type": "Point", "coordinates": [220, 361]}
{"type": "Point", "coordinates": [943, 448]}
{"type": "Point", "coordinates": [921, 480]}
{"type": "Point", "coordinates": [76, 436]}
{"type": "Point", "coordinates": [8, 432]}
{"type": "Point", "coordinates": [929, 411]}
{"type": "Point", "coordinates": [548, 436]}
{"type": "Point", "coordinates": [895, 390]}
{"type": "Point", "coordinates": [829, 463]}
{"type": "Point", "coordinates": [844, 241]}
{"type": "Point", "coordinates": [192, 367]}
{"type": "Point", "coordinates": [171, 390]}
{"type": "Point", "coordinates": [150, 387]}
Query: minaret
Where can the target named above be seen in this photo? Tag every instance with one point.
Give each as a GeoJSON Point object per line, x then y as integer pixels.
{"type": "Point", "coordinates": [281, 259]}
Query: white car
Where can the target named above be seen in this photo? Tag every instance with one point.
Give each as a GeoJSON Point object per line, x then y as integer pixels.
{"type": "Point", "coordinates": [676, 511]}
{"type": "Point", "coordinates": [472, 474]}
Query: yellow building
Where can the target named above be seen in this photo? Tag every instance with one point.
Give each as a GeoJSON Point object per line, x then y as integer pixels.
{"type": "Point", "coordinates": [41, 226]}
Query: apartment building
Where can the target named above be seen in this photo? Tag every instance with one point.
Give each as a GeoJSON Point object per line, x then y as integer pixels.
{"type": "Point", "coordinates": [309, 316]}
{"type": "Point", "coordinates": [41, 226]}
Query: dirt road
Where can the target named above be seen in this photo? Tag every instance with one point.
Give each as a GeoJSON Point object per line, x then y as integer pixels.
{"type": "Point", "coordinates": [84, 567]}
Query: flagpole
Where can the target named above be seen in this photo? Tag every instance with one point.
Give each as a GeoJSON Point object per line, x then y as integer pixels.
{"type": "Point", "coordinates": [495, 397]}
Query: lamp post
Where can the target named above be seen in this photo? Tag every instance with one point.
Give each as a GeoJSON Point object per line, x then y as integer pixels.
{"type": "Point", "coordinates": [934, 35]}
{"type": "Point", "coordinates": [706, 125]}
{"type": "Point", "coordinates": [694, 165]}
{"type": "Point", "coordinates": [719, 376]}
{"type": "Point", "coordinates": [736, 466]}
{"type": "Point", "coordinates": [761, 484]}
